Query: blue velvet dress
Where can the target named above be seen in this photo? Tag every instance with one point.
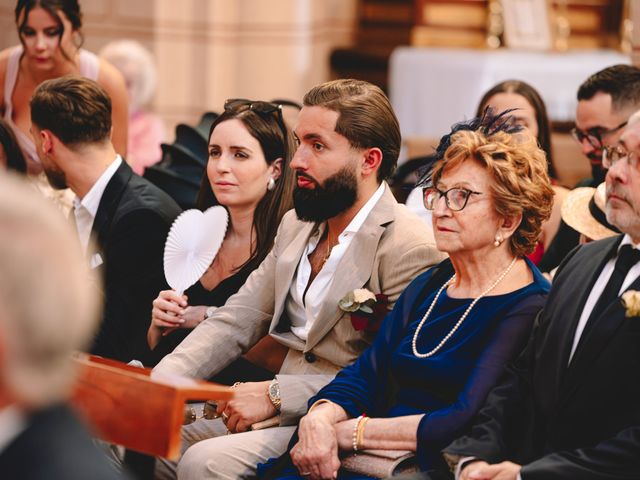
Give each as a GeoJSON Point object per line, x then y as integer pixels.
{"type": "Point", "coordinates": [447, 388]}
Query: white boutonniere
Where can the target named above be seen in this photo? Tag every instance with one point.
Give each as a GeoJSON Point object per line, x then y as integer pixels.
{"type": "Point", "coordinates": [631, 302]}
{"type": "Point", "coordinates": [366, 308]}
{"type": "Point", "coordinates": [358, 299]}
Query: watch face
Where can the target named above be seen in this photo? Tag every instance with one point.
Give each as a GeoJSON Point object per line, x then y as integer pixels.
{"type": "Point", "coordinates": [274, 390]}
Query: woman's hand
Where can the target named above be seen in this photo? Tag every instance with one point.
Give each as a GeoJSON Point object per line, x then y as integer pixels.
{"type": "Point", "coordinates": [344, 434]}
{"type": "Point", "coordinates": [171, 311]}
{"type": "Point", "coordinates": [316, 453]}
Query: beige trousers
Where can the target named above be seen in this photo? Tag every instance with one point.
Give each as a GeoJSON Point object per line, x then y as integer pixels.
{"type": "Point", "coordinates": [209, 452]}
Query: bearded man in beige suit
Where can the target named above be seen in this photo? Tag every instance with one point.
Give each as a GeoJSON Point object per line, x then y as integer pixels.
{"type": "Point", "coordinates": [347, 233]}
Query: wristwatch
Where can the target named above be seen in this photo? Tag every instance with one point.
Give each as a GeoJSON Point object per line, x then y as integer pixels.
{"type": "Point", "coordinates": [274, 394]}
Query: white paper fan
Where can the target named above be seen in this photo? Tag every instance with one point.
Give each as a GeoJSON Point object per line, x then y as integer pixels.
{"type": "Point", "coordinates": [192, 244]}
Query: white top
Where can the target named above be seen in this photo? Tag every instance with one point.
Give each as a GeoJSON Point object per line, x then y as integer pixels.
{"type": "Point", "coordinates": [85, 209]}
{"type": "Point", "coordinates": [12, 423]}
{"type": "Point", "coordinates": [304, 309]}
{"type": "Point", "coordinates": [89, 66]}
{"type": "Point", "coordinates": [598, 288]}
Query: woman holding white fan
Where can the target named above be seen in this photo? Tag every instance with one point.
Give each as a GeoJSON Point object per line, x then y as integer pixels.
{"type": "Point", "coordinates": [248, 173]}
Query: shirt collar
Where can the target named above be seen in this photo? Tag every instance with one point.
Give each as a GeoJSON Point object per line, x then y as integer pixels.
{"type": "Point", "coordinates": [364, 212]}
{"type": "Point", "coordinates": [91, 201]}
{"type": "Point", "coordinates": [626, 240]}
{"type": "Point", "coordinates": [355, 223]}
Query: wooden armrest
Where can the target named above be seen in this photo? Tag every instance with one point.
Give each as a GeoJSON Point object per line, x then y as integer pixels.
{"type": "Point", "coordinates": [128, 406]}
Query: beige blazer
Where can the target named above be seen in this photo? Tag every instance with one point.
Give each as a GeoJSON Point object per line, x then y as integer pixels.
{"type": "Point", "coordinates": [391, 248]}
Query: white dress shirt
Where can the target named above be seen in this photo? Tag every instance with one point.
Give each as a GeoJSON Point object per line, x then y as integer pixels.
{"type": "Point", "coordinates": [304, 309]}
{"type": "Point", "coordinates": [12, 423]}
{"type": "Point", "coordinates": [85, 209]}
{"type": "Point", "coordinates": [598, 288]}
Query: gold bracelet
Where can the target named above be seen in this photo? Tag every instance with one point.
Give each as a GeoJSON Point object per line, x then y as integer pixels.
{"type": "Point", "coordinates": [360, 433]}
{"type": "Point", "coordinates": [319, 402]}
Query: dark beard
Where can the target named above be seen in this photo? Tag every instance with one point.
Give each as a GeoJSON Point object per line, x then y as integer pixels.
{"type": "Point", "coordinates": [339, 192]}
{"type": "Point", "coordinates": [56, 178]}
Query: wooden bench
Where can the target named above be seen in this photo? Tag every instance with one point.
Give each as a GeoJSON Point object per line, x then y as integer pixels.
{"type": "Point", "coordinates": [127, 406]}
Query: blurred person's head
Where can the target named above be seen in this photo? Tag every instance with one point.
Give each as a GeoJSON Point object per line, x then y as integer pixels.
{"type": "Point", "coordinates": [49, 302]}
{"type": "Point", "coordinates": [68, 115]}
{"type": "Point", "coordinates": [531, 111]}
{"type": "Point", "coordinates": [605, 101]}
{"type": "Point", "coordinates": [250, 150]}
{"type": "Point", "coordinates": [623, 180]}
{"type": "Point", "coordinates": [348, 139]}
{"type": "Point", "coordinates": [489, 188]}
{"type": "Point", "coordinates": [11, 156]}
{"type": "Point", "coordinates": [49, 30]}
{"type": "Point", "coordinates": [136, 64]}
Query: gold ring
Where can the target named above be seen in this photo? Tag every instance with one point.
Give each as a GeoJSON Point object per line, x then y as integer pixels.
{"type": "Point", "coordinates": [225, 417]}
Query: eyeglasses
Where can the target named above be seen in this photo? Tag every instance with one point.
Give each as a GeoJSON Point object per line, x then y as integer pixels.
{"type": "Point", "coordinates": [611, 156]}
{"type": "Point", "coordinates": [258, 106]}
{"type": "Point", "coordinates": [594, 135]}
{"type": "Point", "coordinates": [455, 198]}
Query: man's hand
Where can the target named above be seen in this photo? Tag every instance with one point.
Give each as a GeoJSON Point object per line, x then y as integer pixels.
{"type": "Point", "coordinates": [249, 405]}
{"type": "Point", "coordinates": [316, 453]}
{"type": "Point", "coordinates": [483, 471]}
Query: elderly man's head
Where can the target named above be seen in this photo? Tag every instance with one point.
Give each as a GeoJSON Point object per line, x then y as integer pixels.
{"type": "Point", "coordinates": [623, 180]}
{"type": "Point", "coordinates": [49, 307]}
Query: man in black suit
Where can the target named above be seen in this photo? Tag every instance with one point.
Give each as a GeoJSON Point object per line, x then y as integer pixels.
{"type": "Point", "coordinates": [48, 311]}
{"type": "Point", "coordinates": [570, 409]}
{"type": "Point", "coordinates": [128, 217]}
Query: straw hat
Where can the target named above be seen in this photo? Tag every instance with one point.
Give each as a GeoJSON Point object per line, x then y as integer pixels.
{"type": "Point", "coordinates": [583, 210]}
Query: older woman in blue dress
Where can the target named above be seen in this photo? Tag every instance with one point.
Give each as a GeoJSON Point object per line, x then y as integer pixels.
{"type": "Point", "coordinates": [446, 342]}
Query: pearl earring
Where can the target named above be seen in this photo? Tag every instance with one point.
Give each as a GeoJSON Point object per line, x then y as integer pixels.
{"type": "Point", "coordinates": [271, 184]}
{"type": "Point", "coordinates": [497, 241]}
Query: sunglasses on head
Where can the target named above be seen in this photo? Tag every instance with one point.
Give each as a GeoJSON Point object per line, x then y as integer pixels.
{"type": "Point", "coordinates": [258, 106]}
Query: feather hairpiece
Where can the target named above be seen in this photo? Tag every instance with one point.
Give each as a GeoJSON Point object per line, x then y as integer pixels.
{"type": "Point", "coordinates": [488, 124]}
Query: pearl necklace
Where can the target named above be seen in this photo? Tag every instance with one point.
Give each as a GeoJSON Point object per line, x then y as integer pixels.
{"type": "Point", "coordinates": [462, 318]}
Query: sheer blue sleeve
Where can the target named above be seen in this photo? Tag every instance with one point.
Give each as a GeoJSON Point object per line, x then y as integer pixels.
{"type": "Point", "coordinates": [359, 387]}
{"type": "Point", "coordinates": [438, 428]}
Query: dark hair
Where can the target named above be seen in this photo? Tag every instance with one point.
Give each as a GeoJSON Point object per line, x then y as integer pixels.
{"type": "Point", "coordinates": [71, 9]}
{"type": "Point", "coordinates": [622, 82]}
{"type": "Point", "coordinates": [8, 141]}
{"type": "Point", "coordinates": [366, 117]}
{"type": "Point", "coordinates": [75, 109]}
{"type": "Point", "coordinates": [534, 99]}
{"type": "Point", "coordinates": [271, 208]}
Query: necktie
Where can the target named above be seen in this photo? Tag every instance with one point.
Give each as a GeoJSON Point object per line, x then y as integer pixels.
{"type": "Point", "coordinates": [627, 258]}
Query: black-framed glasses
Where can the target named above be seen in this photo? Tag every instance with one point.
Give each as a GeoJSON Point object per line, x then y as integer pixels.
{"type": "Point", "coordinates": [258, 106]}
{"type": "Point", "coordinates": [594, 135]}
{"type": "Point", "coordinates": [612, 154]}
{"type": "Point", "coordinates": [456, 198]}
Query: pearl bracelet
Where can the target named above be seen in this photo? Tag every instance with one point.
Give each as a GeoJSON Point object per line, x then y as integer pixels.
{"type": "Point", "coordinates": [358, 432]}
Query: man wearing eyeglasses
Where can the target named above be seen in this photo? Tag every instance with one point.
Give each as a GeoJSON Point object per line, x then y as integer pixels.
{"type": "Point", "coordinates": [347, 233]}
{"type": "Point", "coordinates": [605, 101]}
{"type": "Point", "coordinates": [570, 408]}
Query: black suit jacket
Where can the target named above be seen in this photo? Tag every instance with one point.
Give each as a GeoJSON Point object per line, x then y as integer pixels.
{"type": "Point", "coordinates": [55, 446]}
{"type": "Point", "coordinates": [130, 230]}
{"type": "Point", "coordinates": [569, 421]}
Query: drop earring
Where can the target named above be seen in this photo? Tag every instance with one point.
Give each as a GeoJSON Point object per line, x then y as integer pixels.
{"type": "Point", "coordinates": [271, 184]}
{"type": "Point", "coordinates": [498, 240]}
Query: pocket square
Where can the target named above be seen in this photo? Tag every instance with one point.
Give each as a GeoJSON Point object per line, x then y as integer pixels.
{"type": "Point", "coordinates": [96, 260]}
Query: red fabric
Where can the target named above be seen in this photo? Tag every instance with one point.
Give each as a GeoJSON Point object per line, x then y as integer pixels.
{"type": "Point", "coordinates": [537, 254]}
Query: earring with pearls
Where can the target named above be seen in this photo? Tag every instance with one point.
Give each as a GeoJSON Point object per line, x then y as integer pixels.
{"type": "Point", "coordinates": [498, 240]}
{"type": "Point", "coordinates": [271, 184]}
